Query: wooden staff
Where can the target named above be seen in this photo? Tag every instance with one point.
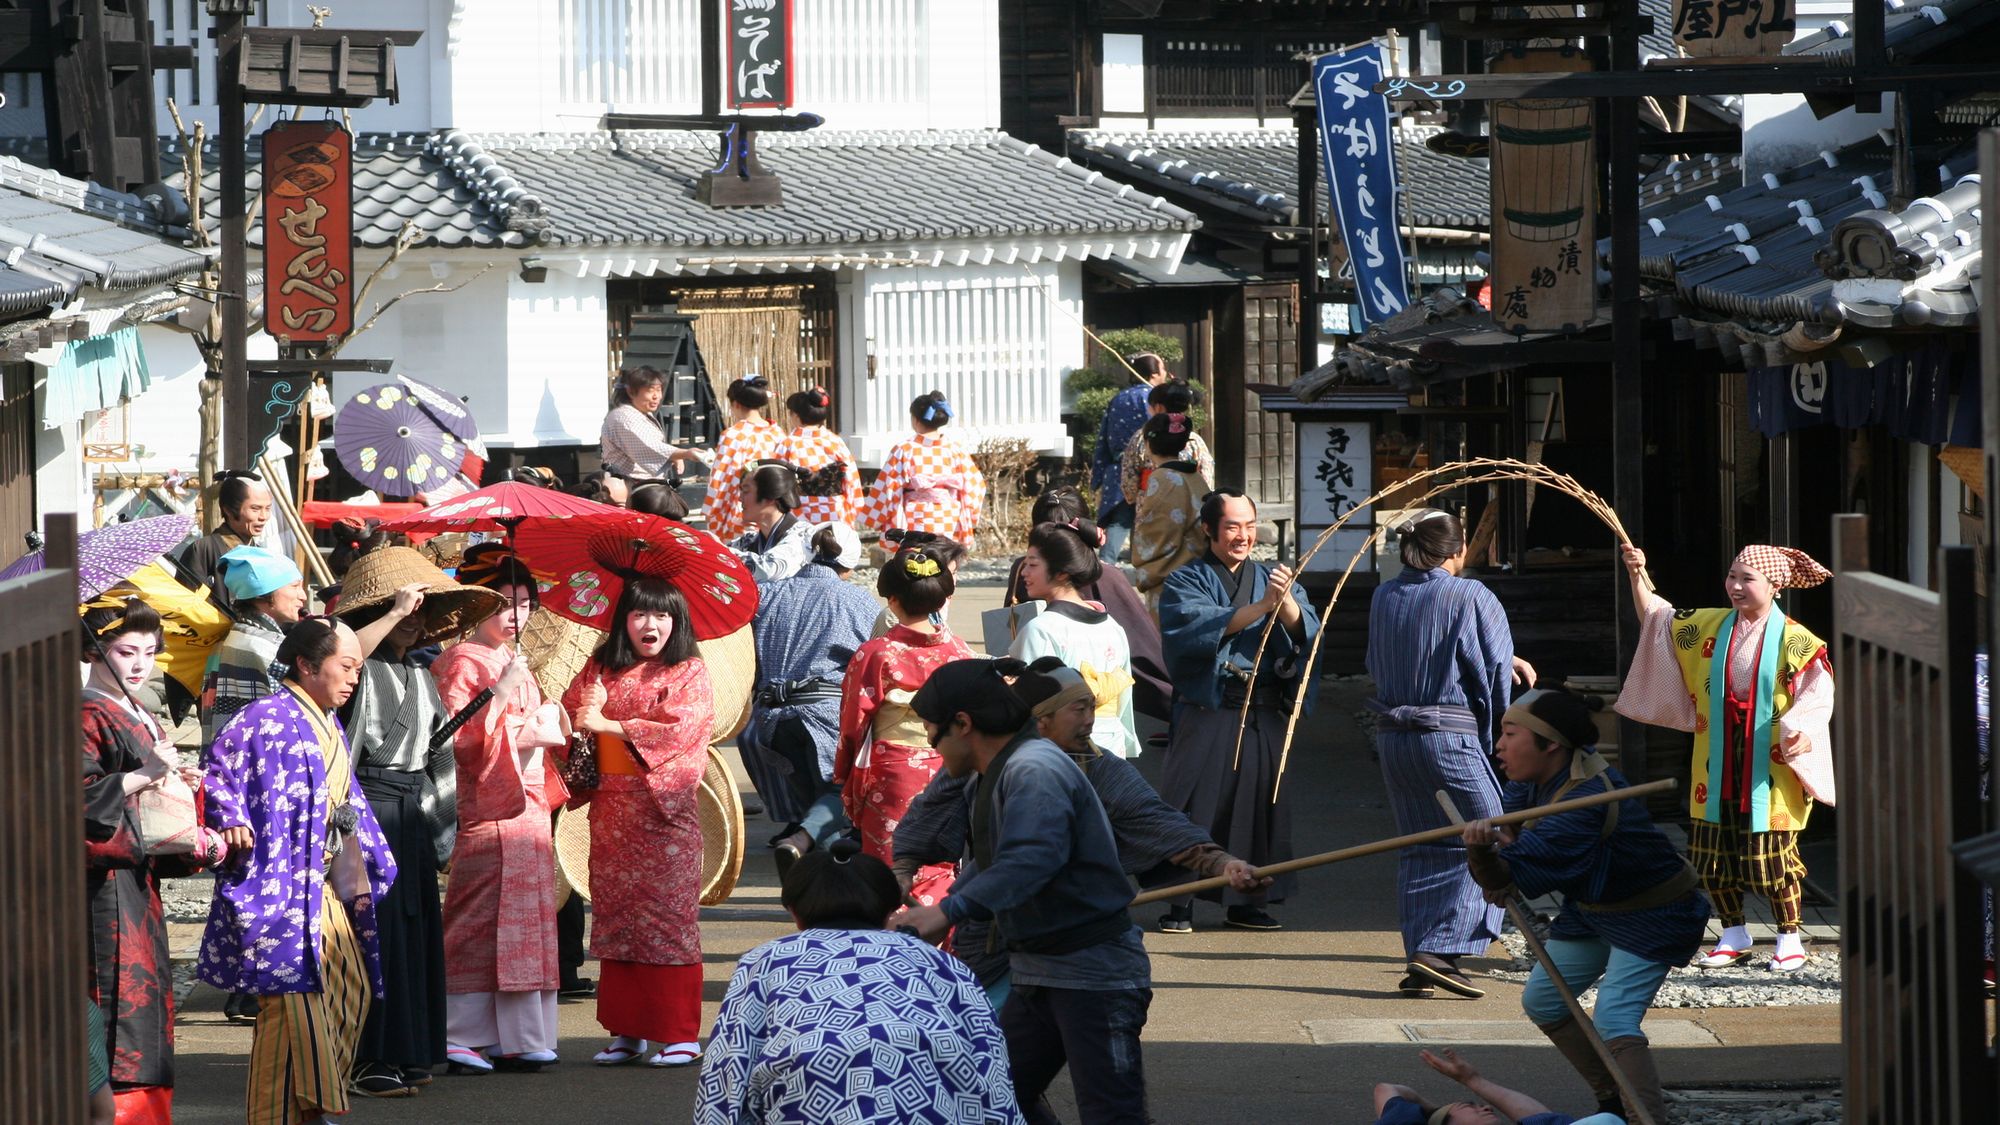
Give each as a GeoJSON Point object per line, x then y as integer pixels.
{"type": "Point", "coordinates": [1635, 1109]}
{"type": "Point", "coordinates": [1161, 894]}
{"type": "Point", "coordinates": [282, 501]}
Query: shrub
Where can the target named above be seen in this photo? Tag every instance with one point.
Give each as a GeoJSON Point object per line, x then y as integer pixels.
{"type": "Point", "coordinates": [1094, 386]}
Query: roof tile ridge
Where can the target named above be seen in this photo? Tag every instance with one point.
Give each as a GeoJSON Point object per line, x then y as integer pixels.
{"type": "Point", "coordinates": [518, 209]}
{"type": "Point", "coordinates": [1095, 180]}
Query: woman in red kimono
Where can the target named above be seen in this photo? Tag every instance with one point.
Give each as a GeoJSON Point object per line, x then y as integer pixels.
{"type": "Point", "coordinates": [125, 751]}
{"type": "Point", "coordinates": [644, 696]}
{"type": "Point", "coordinates": [499, 914]}
{"type": "Point", "coordinates": [884, 760]}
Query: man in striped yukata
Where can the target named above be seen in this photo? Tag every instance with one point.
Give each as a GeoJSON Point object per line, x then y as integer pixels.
{"type": "Point", "coordinates": [1443, 662]}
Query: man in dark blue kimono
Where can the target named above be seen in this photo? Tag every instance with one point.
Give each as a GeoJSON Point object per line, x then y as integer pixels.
{"type": "Point", "coordinates": [1212, 616]}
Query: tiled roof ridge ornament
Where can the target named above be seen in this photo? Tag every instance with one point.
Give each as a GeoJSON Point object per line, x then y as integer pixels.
{"type": "Point", "coordinates": [518, 209]}
{"type": "Point", "coordinates": [1899, 245]}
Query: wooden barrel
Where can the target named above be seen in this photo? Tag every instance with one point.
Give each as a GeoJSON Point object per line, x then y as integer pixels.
{"type": "Point", "coordinates": [1542, 166]}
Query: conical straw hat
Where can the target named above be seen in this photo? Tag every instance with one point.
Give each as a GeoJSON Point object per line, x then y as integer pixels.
{"type": "Point", "coordinates": [449, 609]}
{"type": "Point", "coordinates": [720, 807]}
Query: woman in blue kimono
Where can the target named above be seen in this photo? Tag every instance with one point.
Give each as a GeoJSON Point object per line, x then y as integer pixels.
{"type": "Point", "coordinates": [1442, 659]}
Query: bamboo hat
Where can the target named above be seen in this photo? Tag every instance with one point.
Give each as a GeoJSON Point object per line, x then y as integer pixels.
{"type": "Point", "coordinates": [720, 807]}
{"type": "Point", "coordinates": [449, 609]}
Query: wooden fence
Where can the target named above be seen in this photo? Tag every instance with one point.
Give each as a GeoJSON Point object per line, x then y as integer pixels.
{"type": "Point", "coordinates": [44, 948]}
{"type": "Point", "coordinates": [1913, 1011]}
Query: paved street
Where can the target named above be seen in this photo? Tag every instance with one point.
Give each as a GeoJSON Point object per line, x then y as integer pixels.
{"type": "Point", "coordinates": [1286, 1027]}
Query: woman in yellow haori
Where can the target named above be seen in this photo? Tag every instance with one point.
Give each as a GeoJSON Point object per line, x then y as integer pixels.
{"type": "Point", "coordinates": [1742, 678]}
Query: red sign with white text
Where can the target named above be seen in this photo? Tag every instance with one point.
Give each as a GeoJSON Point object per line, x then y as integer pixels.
{"type": "Point", "coordinates": [308, 231]}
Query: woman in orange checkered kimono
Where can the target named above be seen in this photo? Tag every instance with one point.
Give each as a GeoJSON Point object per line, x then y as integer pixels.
{"type": "Point", "coordinates": [749, 439]}
{"type": "Point", "coordinates": [829, 484]}
{"type": "Point", "coordinates": [1755, 688]}
{"type": "Point", "coordinates": [928, 483]}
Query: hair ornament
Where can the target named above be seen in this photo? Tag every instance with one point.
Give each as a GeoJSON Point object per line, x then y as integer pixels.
{"type": "Point", "coordinates": [920, 565]}
{"type": "Point", "coordinates": [1177, 423]}
{"type": "Point", "coordinates": [818, 395]}
{"type": "Point", "coordinates": [756, 380]}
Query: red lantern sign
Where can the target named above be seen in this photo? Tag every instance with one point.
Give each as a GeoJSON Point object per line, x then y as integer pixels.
{"type": "Point", "coordinates": [308, 231]}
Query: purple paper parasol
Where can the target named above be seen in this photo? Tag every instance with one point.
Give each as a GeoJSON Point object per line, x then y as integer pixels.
{"type": "Point", "coordinates": [449, 410]}
{"type": "Point", "coordinates": [110, 555]}
{"type": "Point", "coordinates": [389, 442]}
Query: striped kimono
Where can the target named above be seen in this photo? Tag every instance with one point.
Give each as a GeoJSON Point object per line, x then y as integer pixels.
{"type": "Point", "coordinates": [1442, 658]}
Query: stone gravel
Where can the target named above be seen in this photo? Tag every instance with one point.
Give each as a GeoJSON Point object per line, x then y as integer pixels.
{"type": "Point", "coordinates": [1749, 985]}
{"type": "Point", "coordinates": [1754, 1107]}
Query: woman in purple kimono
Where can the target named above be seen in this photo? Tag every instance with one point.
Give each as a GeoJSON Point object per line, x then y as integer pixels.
{"type": "Point", "coordinates": [293, 921]}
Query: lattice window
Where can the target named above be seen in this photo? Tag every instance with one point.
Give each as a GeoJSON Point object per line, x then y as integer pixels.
{"type": "Point", "coordinates": [985, 344]}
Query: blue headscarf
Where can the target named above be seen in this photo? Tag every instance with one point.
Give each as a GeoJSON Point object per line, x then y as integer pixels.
{"type": "Point", "coordinates": [252, 572]}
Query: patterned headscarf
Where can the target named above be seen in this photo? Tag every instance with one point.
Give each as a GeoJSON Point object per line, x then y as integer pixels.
{"type": "Point", "coordinates": [1787, 568]}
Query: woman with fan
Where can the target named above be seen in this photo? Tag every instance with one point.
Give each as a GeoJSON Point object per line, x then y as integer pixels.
{"type": "Point", "coordinates": [124, 753]}
{"type": "Point", "coordinates": [502, 969]}
{"type": "Point", "coordinates": [643, 702]}
{"type": "Point", "coordinates": [829, 486]}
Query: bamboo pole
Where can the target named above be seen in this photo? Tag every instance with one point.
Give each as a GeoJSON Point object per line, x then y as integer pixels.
{"type": "Point", "coordinates": [1444, 478]}
{"type": "Point", "coordinates": [283, 502]}
{"type": "Point", "coordinates": [1635, 1108]}
{"type": "Point", "coordinates": [1360, 851]}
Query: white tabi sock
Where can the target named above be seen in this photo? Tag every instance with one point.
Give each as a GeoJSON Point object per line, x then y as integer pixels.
{"type": "Point", "coordinates": [1735, 937]}
{"type": "Point", "coordinates": [1790, 945]}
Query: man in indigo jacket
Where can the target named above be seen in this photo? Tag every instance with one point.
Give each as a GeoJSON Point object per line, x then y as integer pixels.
{"type": "Point", "coordinates": [1050, 879]}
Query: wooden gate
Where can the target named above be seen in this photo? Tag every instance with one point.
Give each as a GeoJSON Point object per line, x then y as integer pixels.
{"type": "Point", "coordinates": [1913, 1021]}
{"type": "Point", "coordinates": [44, 974]}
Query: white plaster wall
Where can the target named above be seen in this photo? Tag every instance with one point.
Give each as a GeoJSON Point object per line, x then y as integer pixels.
{"type": "Point", "coordinates": [557, 352]}
{"type": "Point", "coordinates": [996, 339]}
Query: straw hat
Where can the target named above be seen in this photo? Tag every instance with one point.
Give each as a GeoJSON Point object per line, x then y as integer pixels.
{"type": "Point", "coordinates": [557, 648]}
{"type": "Point", "coordinates": [721, 810]}
{"type": "Point", "coordinates": [449, 609]}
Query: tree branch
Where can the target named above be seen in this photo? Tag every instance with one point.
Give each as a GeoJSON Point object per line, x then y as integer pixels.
{"type": "Point", "coordinates": [385, 306]}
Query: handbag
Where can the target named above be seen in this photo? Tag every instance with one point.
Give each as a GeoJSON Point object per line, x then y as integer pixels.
{"type": "Point", "coordinates": [169, 819]}
{"type": "Point", "coordinates": [579, 766]}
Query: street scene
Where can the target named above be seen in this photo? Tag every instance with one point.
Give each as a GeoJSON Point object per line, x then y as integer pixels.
{"type": "Point", "coordinates": [1414, 562]}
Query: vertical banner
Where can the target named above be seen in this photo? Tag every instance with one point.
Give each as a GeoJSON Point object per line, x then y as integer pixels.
{"type": "Point", "coordinates": [760, 53]}
{"type": "Point", "coordinates": [1357, 146]}
{"type": "Point", "coordinates": [308, 231]}
{"type": "Point", "coordinates": [1544, 183]}
{"type": "Point", "coordinates": [1733, 28]}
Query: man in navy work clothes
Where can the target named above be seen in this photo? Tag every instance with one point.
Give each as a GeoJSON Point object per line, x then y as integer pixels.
{"type": "Point", "coordinates": [1050, 879]}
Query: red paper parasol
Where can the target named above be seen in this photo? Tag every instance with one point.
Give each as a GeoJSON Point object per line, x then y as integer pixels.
{"type": "Point", "coordinates": [599, 552]}
{"type": "Point", "coordinates": [500, 507]}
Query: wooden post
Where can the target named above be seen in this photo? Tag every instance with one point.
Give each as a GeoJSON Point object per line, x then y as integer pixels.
{"type": "Point", "coordinates": [1989, 363]}
{"type": "Point", "coordinates": [1308, 325]}
{"type": "Point", "coordinates": [232, 302]}
{"type": "Point", "coordinates": [711, 57]}
{"type": "Point", "coordinates": [1628, 414]}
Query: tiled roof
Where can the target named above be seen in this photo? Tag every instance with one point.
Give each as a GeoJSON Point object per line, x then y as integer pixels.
{"type": "Point", "coordinates": [840, 188]}
{"type": "Point", "coordinates": [600, 188]}
{"type": "Point", "coordinates": [1909, 29]}
{"type": "Point", "coordinates": [1256, 172]}
{"type": "Point", "coordinates": [455, 200]}
{"type": "Point", "coordinates": [1748, 252]}
{"type": "Point", "coordinates": [59, 235]}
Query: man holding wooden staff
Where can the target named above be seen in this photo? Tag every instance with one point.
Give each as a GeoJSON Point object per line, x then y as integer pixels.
{"type": "Point", "coordinates": [1212, 615]}
{"type": "Point", "coordinates": [1631, 906]}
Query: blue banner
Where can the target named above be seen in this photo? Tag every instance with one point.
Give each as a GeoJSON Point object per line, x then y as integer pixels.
{"type": "Point", "coordinates": [1928, 395]}
{"type": "Point", "coordinates": [1358, 154]}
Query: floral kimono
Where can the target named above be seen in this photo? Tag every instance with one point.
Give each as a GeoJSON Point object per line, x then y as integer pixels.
{"type": "Point", "coordinates": [1166, 529]}
{"type": "Point", "coordinates": [884, 759]}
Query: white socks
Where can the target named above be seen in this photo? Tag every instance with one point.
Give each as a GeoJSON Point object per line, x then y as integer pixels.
{"type": "Point", "coordinates": [1737, 938]}
{"type": "Point", "coordinates": [1789, 945]}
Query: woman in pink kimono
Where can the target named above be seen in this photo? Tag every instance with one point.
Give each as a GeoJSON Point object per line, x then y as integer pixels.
{"type": "Point", "coordinates": [644, 697]}
{"type": "Point", "coordinates": [499, 914]}
{"type": "Point", "coordinates": [884, 760]}
{"type": "Point", "coordinates": [929, 483]}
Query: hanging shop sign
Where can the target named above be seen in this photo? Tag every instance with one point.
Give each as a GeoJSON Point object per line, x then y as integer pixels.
{"type": "Point", "coordinates": [1544, 184]}
{"type": "Point", "coordinates": [1358, 151]}
{"type": "Point", "coordinates": [1733, 28]}
{"type": "Point", "coordinates": [760, 53]}
{"type": "Point", "coordinates": [1336, 472]}
{"type": "Point", "coordinates": [308, 231]}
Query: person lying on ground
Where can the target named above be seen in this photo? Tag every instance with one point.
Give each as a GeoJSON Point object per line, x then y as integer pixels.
{"type": "Point", "coordinates": [1400, 1105]}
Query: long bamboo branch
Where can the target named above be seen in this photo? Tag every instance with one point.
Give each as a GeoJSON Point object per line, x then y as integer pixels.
{"type": "Point", "coordinates": [1396, 843]}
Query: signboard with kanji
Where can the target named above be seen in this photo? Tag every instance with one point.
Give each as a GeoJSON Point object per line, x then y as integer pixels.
{"type": "Point", "coordinates": [1733, 28]}
{"type": "Point", "coordinates": [759, 53]}
{"type": "Point", "coordinates": [308, 231]}
{"type": "Point", "coordinates": [1544, 183]}
{"type": "Point", "coordinates": [1357, 142]}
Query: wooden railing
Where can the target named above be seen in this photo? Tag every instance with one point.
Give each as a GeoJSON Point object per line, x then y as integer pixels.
{"type": "Point", "coordinates": [44, 972]}
{"type": "Point", "coordinates": [1913, 1020]}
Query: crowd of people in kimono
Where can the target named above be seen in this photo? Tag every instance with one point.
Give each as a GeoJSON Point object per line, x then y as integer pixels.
{"type": "Point", "coordinates": [957, 836]}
